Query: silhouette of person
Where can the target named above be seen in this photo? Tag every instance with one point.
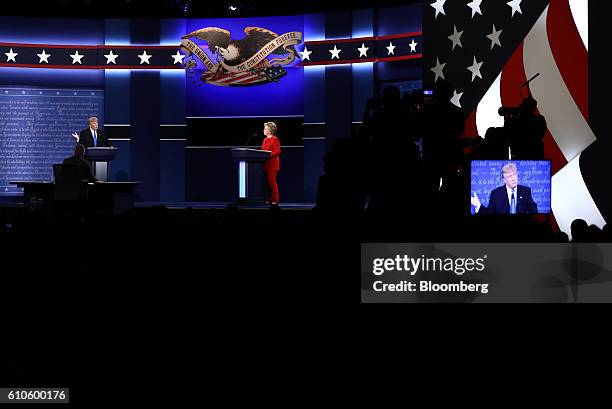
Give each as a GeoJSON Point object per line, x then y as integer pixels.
{"type": "Point", "coordinates": [83, 166]}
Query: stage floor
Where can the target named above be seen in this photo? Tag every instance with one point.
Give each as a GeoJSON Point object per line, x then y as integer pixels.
{"type": "Point", "coordinates": [17, 202]}
{"type": "Point", "coordinates": [223, 205]}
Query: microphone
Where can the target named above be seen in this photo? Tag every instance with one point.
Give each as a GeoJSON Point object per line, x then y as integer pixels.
{"type": "Point", "coordinates": [254, 134]}
{"type": "Point", "coordinates": [529, 80]}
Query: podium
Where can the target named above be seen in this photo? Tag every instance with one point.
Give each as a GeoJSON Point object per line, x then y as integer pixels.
{"type": "Point", "coordinates": [250, 173]}
{"type": "Point", "coordinates": [100, 159]}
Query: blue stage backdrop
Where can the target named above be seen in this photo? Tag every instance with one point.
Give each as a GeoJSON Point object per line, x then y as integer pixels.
{"type": "Point", "coordinates": [35, 130]}
{"type": "Point", "coordinates": [486, 176]}
{"type": "Point", "coordinates": [285, 97]}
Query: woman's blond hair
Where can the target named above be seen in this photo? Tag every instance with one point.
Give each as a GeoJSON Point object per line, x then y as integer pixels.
{"type": "Point", "coordinates": [272, 127]}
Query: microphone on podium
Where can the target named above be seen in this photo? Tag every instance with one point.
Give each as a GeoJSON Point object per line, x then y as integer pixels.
{"type": "Point", "coordinates": [254, 134]}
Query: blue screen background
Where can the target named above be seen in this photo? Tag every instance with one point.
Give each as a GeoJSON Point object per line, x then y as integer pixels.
{"type": "Point", "coordinates": [486, 176]}
{"type": "Point", "coordinates": [285, 98]}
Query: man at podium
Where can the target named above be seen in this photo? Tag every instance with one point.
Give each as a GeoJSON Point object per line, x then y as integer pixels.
{"type": "Point", "coordinates": [92, 137]}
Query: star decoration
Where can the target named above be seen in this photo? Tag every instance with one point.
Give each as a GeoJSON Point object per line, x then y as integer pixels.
{"type": "Point", "coordinates": [76, 57]}
{"type": "Point", "coordinates": [391, 48]}
{"type": "Point", "coordinates": [456, 37]}
{"type": "Point", "coordinates": [475, 69]}
{"type": "Point", "coordinates": [516, 6]}
{"type": "Point", "coordinates": [363, 51]}
{"type": "Point", "coordinates": [306, 54]}
{"type": "Point", "coordinates": [456, 99]}
{"type": "Point", "coordinates": [10, 56]}
{"type": "Point", "coordinates": [178, 57]}
{"type": "Point", "coordinates": [335, 52]}
{"type": "Point", "coordinates": [44, 57]}
{"type": "Point", "coordinates": [494, 37]}
{"type": "Point", "coordinates": [413, 45]}
{"type": "Point", "coordinates": [475, 6]}
{"type": "Point", "coordinates": [438, 70]}
{"type": "Point", "coordinates": [144, 58]}
{"type": "Point", "coordinates": [439, 7]}
{"type": "Point", "coordinates": [111, 58]}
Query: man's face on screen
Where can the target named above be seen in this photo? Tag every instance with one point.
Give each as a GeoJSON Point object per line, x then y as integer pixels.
{"type": "Point", "coordinates": [511, 179]}
{"type": "Point", "coordinates": [94, 125]}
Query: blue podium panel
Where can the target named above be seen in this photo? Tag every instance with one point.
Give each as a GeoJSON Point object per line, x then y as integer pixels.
{"type": "Point", "coordinates": [250, 173]}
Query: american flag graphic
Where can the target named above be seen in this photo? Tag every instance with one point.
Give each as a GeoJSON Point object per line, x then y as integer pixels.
{"type": "Point", "coordinates": [262, 74]}
{"type": "Point", "coordinates": [487, 49]}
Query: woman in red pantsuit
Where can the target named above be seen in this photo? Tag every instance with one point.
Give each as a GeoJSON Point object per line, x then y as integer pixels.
{"type": "Point", "coordinates": [272, 166]}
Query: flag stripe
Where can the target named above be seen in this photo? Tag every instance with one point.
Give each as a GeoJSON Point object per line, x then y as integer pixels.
{"type": "Point", "coordinates": [471, 129]}
{"type": "Point", "coordinates": [571, 199]}
{"type": "Point", "coordinates": [569, 52]}
{"type": "Point", "coordinates": [565, 121]}
{"type": "Point", "coordinates": [487, 111]}
{"type": "Point", "coordinates": [513, 76]}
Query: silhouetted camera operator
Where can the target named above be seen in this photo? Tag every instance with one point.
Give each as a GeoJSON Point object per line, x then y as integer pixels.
{"type": "Point", "coordinates": [524, 130]}
{"type": "Point", "coordinates": [444, 126]}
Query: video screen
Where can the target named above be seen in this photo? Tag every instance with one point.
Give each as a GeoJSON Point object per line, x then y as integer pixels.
{"type": "Point", "coordinates": [502, 187]}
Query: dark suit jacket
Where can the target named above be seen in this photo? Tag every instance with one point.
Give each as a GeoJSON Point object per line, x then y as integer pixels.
{"type": "Point", "coordinates": [84, 167]}
{"type": "Point", "coordinates": [499, 203]}
{"type": "Point", "coordinates": [86, 138]}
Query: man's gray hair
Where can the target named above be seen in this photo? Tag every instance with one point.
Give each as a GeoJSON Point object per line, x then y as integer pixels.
{"type": "Point", "coordinates": [92, 119]}
{"type": "Point", "coordinates": [510, 167]}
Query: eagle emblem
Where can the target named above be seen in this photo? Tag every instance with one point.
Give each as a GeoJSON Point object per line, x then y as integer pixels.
{"type": "Point", "coordinates": [232, 62]}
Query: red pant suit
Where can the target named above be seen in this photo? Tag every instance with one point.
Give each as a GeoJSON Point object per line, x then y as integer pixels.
{"type": "Point", "coordinates": [272, 166]}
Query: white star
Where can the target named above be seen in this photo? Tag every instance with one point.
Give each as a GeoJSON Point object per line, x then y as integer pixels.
{"type": "Point", "coordinates": [178, 57]}
{"type": "Point", "coordinates": [413, 45]}
{"type": "Point", "coordinates": [111, 58]}
{"type": "Point", "coordinates": [475, 6]}
{"type": "Point", "coordinates": [44, 57]}
{"type": "Point", "coordinates": [475, 69]}
{"type": "Point", "coordinates": [456, 99]}
{"type": "Point", "coordinates": [439, 6]}
{"type": "Point", "coordinates": [494, 37]}
{"type": "Point", "coordinates": [391, 48]}
{"type": "Point", "coordinates": [144, 58]}
{"type": "Point", "coordinates": [438, 70]}
{"type": "Point", "coordinates": [76, 58]}
{"type": "Point", "coordinates": [363, 51]}
{"type": "Point", "coordinates": [306, 54]}
{"type": "Point", "coordinates": [335, 52]}
{"type": "Point", "coordinates": [516, 6]}
{"type": "Point", "coordinates": [10, 56]}
{"type": "Point", "coordinates": [456, 37]}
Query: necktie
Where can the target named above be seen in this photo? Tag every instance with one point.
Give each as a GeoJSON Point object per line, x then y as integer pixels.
{"type": "Point", "coordinates": [95, 139]}
{"type": "Point", "coordinates": [512, 203]}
